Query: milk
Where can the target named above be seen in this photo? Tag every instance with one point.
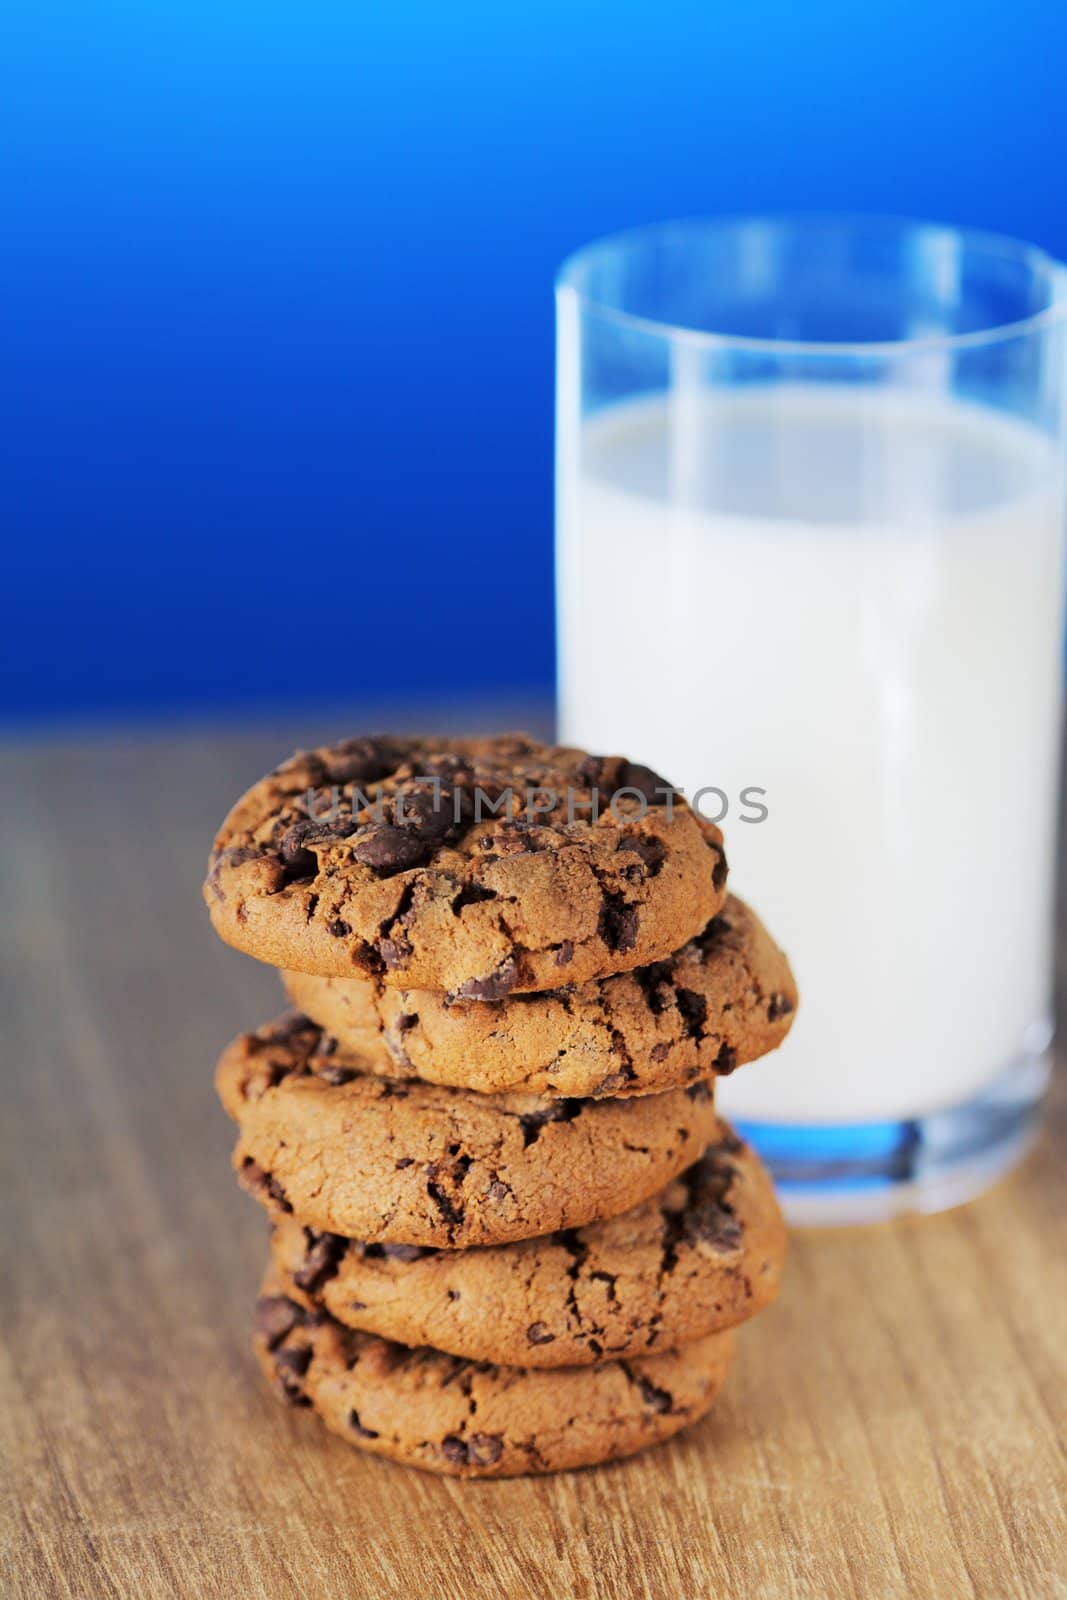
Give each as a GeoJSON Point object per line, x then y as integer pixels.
{"type": "Point", "coordinates": [851, 600]}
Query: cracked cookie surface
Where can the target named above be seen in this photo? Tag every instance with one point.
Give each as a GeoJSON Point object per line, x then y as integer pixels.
{"type": "Point", "coordinates": [726, 997]}
{"type": "Point", "coordinates": [441, 865]}
{"type": "Point", "coordinates": [477, 1420]}
{"type": "Point", "coordinates": [704, 1255]}
{"type": "Point", "coordinates": [417, 1163]}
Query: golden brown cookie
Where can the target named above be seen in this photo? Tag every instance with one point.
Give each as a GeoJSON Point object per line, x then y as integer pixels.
{"type": "Point", "coordinates": [704, 1255]}
{"type": "Point", "coordinates": [475, 1420]}
{"type": "Point", "coordinates": [414, 1163]}
{"type": "Point", "coordinates": [476, 867]}
{"type": "Point", "coordinates": [728, 996]}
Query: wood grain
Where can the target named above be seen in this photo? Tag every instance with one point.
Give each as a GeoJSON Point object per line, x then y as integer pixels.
{"type": "Point", "coordinates": [893, 1428]}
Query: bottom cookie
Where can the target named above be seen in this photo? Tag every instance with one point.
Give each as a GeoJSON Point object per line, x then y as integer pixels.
{"type": "Point", "coordinates": [472, 1419]}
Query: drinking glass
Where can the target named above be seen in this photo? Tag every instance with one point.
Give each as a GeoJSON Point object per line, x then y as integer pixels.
{"type": "Point", "coordinates": [810, 561]}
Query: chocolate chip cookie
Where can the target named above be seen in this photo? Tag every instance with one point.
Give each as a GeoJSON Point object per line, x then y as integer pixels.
{"type": "Point", "coordinates": [480, 868]}
{"type": "Point", "coordinates": [471, 1419]}
{"type": "Point", "coordinates": [704, 1255]}
{"type": "Point", "coordinates": [726, 997]}
{"type": "Point", "coordinates": [415, 1163]}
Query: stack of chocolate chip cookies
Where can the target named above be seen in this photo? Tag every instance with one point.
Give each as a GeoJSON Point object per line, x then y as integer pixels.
{"type": "Point", "coordinates": [509, 1232]}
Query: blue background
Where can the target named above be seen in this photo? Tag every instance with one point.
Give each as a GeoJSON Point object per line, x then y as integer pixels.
{"type": "Point", "coordinates": [276, 309]}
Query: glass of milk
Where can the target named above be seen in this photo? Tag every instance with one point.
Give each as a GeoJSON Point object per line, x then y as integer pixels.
{"type": "Point", "coordinates": [810, 556]}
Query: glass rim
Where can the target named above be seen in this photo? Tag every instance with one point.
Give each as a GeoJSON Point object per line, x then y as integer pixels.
{"type": "Point", "coordinates": [981, 241]}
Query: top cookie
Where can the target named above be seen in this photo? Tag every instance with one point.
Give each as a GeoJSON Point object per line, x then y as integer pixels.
{"type": "Point", "coordinates": [477, 867]}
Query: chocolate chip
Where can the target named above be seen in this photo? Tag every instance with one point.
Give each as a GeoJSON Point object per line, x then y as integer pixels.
{"type": "Point", "coordinates": [322, 1257]}
{"type": "Point", "coordinates": [350, 1347]}
{"type": "Point", "coordinates": [276, 1316]}
{"type": "Point", "coordinates": [699, 1093]}
{"type": "Point", "coordinates": [395, 952]}
{"type": "Point", "coordinates": [334, 1075]}
{"type": "Point", "coordinates": [390, 849]}
{"type": "Point", "coordinates": [720, 870]}
{"type": "Point", "coordinates": [484, 1448]}
{"type": "Point", "coordinates": [394, 1252]}
{"type": "Point", "coordinates": [565, 954]}
{"type": "Point", "coordinates": [713, 933]}
{"type": "Point", "coordinates": [709, 1218]}
{"type": "Point", "coordinates": [713, 1224]}
{"type": "Point", "coordinates": [694, 1011]}
{"type": "Point", "coordinates": [449, 765]}
{"type": "Point", "coordinates": [264, 1075]}
{"type": "Point", "coordinates": [660, 1052]}
{"type": "Point", "coordinates": [258, 1183]}
{"type": "Point", "coordinates": [609, 774]}
{"type": "Point", "coordinates": [538, 1333]}
{"type": "Point", "coordinates": [658, 1399]}
{"type": "Point", "coordinates": [366, 958]}
{"type": "Point", "coordinates": [570, 1239]}
{"type": "Point", "coordinates": [620, 1048]}
{"type": "Point", "coordinates": [450, 1212]}
{"type": "Point", "coordinates": [294, 851]}
{"type": "Point", "coordinates": [337, 928]}
{"type": "Point", "coordinates": [289, 1369]}
{"type": "Point", "coordinates": [291, 1391]}
{"type": "Point", "coordinates": [460, 1372]}
{"type": "Point", "coordinates": [779, 1006]}
{"type": "Point", "coordinates": [425, 814]}
{"type": "Point", "coordinates": [652, 851]}
{"type": "Point", "coordinates": [358, 1428]}
{"type": "Point", "coordinates": [610, 1278]}
{"type": "Point", "coordinates": [362, 760]}
{"type": "Point", "coordinates": [495, 986]}
{"type": "Point", "coordinates": [391, 1089]}
{"type": "Point", "coordinates": [235, 855]}
{"type": "Point", "coordinates": [634, 776]}
{"type": "Point", "coordinates": [480, 1449]}
{"type": "Point", "coordinates": [725, 1061]}
{"type": "Point", "coordinates": [618, 924]}
{"type": "Point", "coordinates": [294, 1362]}
{"type": "Point", "coordinates": [655, 982]}
{"type": "Point", "coordinates": [531, 1122]}
{"type": "Point", "coordinates": [498, 1191]}
{"type": "Point", "coordinates": [511, 838]}
{"type": "Point", "coordinates": [471, 894]}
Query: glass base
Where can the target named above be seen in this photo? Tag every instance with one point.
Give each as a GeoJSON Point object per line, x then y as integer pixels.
{"type": "Point", "coordinates": [828, 1176]}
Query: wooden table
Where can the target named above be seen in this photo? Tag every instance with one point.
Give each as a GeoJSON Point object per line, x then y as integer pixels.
{"type": "Point", "coordinates": [893, 1425]}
